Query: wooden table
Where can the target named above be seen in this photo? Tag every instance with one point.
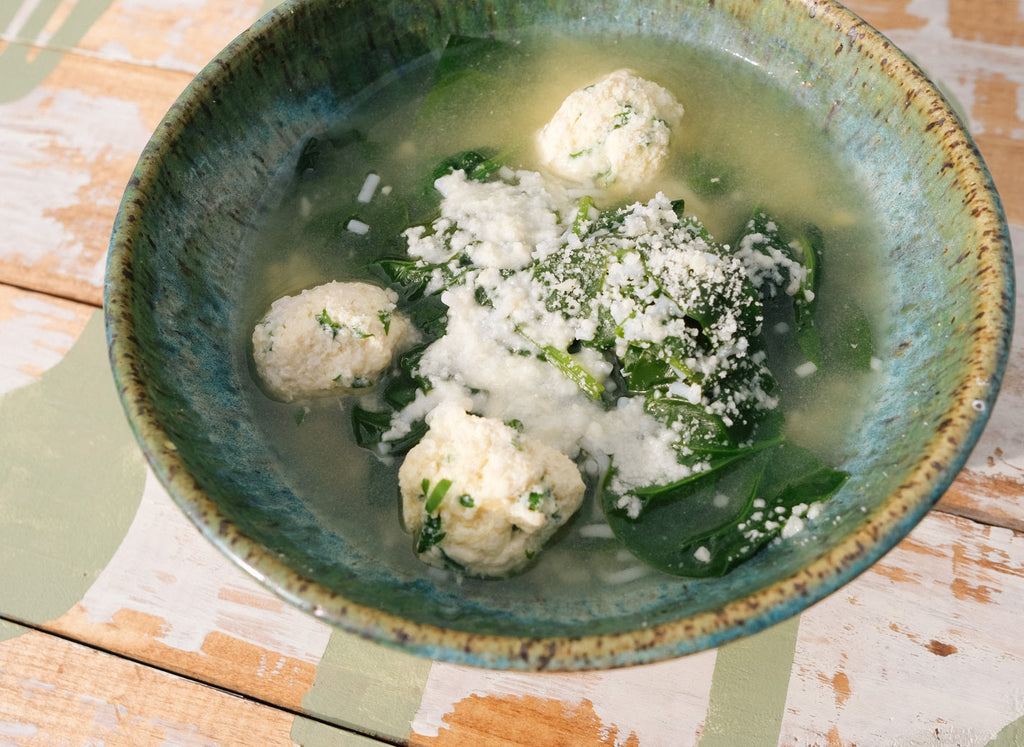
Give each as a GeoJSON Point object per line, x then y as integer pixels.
{"type": "Point", "coordinates": [121, 625]}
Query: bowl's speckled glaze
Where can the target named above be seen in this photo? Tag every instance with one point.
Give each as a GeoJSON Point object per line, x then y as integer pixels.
{"type": "Point", "coordinates": [170, 309]}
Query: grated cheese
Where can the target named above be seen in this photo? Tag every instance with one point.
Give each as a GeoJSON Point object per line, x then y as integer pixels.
{"type": "Point", "coordinates": [489, 357]}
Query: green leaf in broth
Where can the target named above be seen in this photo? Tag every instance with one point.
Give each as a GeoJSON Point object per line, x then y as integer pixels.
{"type": "Point", "coordinates": [572, 370]}
{"type": "Point", "coordinates": [447, 101]}
{"type": "Point", "coordinates": [807, 335]}
{"type": "Point", "coordinates": [369, 426]}
{"type": "Point", "coordinates": [713, 299]}
{"type": "Point", "coordinates": [478, 164]}
{"type": "Point", "coordinates": [430, 533]}
{"type": "Point", "coordinates": [706, 526]}
{"type": "Point", "coordinates": [330, 209]}
{"type": "Point", "coordinates": [706, 433]}
{"type": "Point", "coordinates": [707, 177]}
{"type": "Point", "coordinates": [584, 207]}
{"type": "Point", "coordinates": [715, 456]}
{"type": "Point", "coordinates": [806, 249]}
{"type": "Point", "coordinates": [574, 277]}
{"type": "Point", "coordinates": [319, 149]}
{"type": "Point", "coordinates": [768, 237]}
{"type": "Point", "coordinates": [468, 52]}
{"type": "Point", "coordinates": [467, 78]}
{"type": "Point", "coordinates": [643, 368]}
{"type": "Point", "coordinates": [849, 341]}
{"type": "Point", "coordinates": [853, 347]}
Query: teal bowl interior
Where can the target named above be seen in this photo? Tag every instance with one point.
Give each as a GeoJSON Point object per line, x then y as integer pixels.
{"type": "Point", "coordinates": [178, 257]}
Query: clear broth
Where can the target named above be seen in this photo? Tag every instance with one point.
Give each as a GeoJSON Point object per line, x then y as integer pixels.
{"type": "Point", "coordinates": [771, 151]}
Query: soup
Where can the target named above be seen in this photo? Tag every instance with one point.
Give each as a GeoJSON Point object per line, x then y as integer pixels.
{"type": "Point", "coordinates": [353, 190]}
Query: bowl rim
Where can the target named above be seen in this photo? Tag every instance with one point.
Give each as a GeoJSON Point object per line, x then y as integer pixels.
{"type": "Point", "coordinates": [880, 531]}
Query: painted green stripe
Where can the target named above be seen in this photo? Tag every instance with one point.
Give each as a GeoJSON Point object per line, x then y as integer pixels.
{"type": "Point", "coordinates": [23, 66]}
{"type": "Point", "coordinates": [78, 22]}
{"type": "Point", "coordinates": [10, 631]}
{"type": "Point", "coordinates": [1011, 735]}
{"type": "Point", "coordinates": [37, 19]}
{"type": "Point", "coordinates": [749, 686]}
{"type": "Point", "coordinates": [71, 480]}
{"type": "Point", "coordinates": [363, 685]}
{"type": "Point", "coordinates": [310, 733]}
{"type": "Point", "coordinates": [7, 13]}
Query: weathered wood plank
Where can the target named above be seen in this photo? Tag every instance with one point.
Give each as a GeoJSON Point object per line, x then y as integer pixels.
{"type": "Point", "coordinates": [53, 691]}
{"type": "Point", "coordinates": [171, 34]}
{"type": "Point", "coordinates": [36, 331]}
{"type": "Point", "coordinates": [921, 649]}
{"type": "Point", "coordinates": [925, 648]}
{"type": "Point", "coordinates": [69, 148]}
{"type": "Point", "coordinates": [125, 571]}
{"type": "Point", "coordinates": [168, 597]}
{"type": "Point", "coordinates": [973, 50]}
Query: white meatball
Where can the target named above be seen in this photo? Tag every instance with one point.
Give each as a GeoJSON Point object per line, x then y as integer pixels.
{"type": "Point", "coordinates": [480, 496]}
{"type": "Point", "coordinates": [614, 132]}
{"type": "Point", "coordinates": [333, 338]}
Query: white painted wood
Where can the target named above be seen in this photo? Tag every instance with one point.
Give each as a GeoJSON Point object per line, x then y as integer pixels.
{"type": "Point", "coordinates": [925, 648]}
{"type": "Point", "coordinates": [165, 568]}
{"type": "Point", "coordinates": [656, 704]}
{"type": "Point", "coordinates": [35, 332]}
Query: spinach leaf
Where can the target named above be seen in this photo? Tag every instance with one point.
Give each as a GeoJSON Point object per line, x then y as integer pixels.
{"type": "Point", "coordinates": [574, 277]}
{"type": "Point", "coordinates": [319, 151]}
{"type": "Point", "coordinates": [807, 336]}
{"type": "Point", "coordinates": [708, 177]}
{"type": "Point", "coordinates": [430, 533]}
{"type": "Point", "coordinates": [463, 53]}
{"type": "Point", "coordinates": [564, 362]}
{"type": "Point", "coordinates": [707, 525]}
{"type": "Point", "coordinates": [765, 235]}
{"type": "Point", "coordinates": [329, 207]}
{"type": "Point", "coordinates": [853, 347]}
{"type": "Point", "coordinates": [705, 436]}
{"type": "Point", "coordinates": [644, 367]}
{"type": "Point", "coordinates": [478, 164]}
{"type": "Point", "coordinates": [369, 426]}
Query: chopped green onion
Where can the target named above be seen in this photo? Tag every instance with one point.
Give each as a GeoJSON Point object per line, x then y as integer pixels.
{"type": "Point", "coordinates": [325, 321]}
{"type": "Point", "coordinates": [437, 495]}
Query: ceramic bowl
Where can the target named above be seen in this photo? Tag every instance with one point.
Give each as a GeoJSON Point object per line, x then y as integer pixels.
{"type": "Point", "coordinates": [173, 315]}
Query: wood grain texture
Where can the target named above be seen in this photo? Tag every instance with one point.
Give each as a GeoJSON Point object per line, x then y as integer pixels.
{"type": "Point", "coordinates": [656, 704]}
{"type": "Point", "coordinates": [169, 34]}
{"type": "Point", "coordinates": [972, 50]}
{"type": "Point", "coordinates": [924, 648]}
{"type": "Point", "coordinates": [54, 692]}
{"type": "Point", "coordinates": [988, 21]}
{"type": "Point", "coordinates": [70, 147]}
{"type": "Point", "coordinates": [82, 87]}
{"type": "Point", "coordinates": [169, 598]}
{"type": "Point", "coordinates": [36, 331]}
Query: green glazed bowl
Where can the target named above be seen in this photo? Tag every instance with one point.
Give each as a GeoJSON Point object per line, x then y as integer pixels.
{"type": "Point", "coordinates": [173, 311]}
